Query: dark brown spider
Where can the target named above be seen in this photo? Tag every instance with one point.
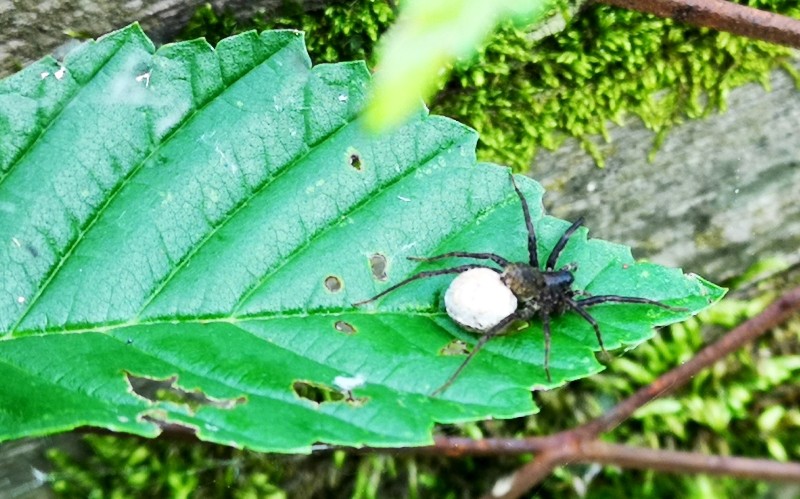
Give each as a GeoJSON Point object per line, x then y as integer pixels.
{"type": "Point", "coordinates": [539, 293]}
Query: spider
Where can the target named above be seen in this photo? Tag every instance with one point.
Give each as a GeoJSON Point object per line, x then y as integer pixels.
{"type": "Point", "coordinates": [539, 293]}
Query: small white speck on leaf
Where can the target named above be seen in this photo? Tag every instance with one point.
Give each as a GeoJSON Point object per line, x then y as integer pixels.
{"type": "Point", "coordinates": [144, 77]}
{"type": "Point", "coordinates": [16, 242]}
{"type": "Point", "coordinates": [343, 98]}
{"type": "Point", "coordinates": [60, 73]}
{"type": "Point", "coordinates": [21, 299]}
{"type": "Point", "coordinates": [44, 74]}
{"type": "Point", "coordinates": [402, 198]}
{"type": "Point", "coordinates": [347, 383]}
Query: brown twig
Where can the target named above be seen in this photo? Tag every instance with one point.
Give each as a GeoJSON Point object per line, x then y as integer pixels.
{"type": "Point", "coordinates": [723, 16]}
{"type": "Point", "coordinates": [595, 451]}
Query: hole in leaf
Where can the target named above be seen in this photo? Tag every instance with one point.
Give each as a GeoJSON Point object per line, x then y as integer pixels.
{"type": "Point", "coordinates": [377, 263]}
{"type": "Point", "coordinates": [354, 159]}
{"type": "Point", "coordinates": [344, 327]}
{"type": "Point", "coordinates": [316, 392]}
{"type": "Point", "coordinates": [166, 390]}
{"type": "Point", "coordinates": [174, 428]}
{"type": "Point", "coordinates": [349, 383]}
{"type": "Point", "coordinates": [333, 284]}
{"type": "Point", "coordinates": [455, 347]}
{"type": "Point", "coordinates": [33, 251]}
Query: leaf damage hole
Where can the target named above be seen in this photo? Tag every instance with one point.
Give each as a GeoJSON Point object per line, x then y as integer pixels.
{"type": "Point", "coordinates": [33, 251]}
{"type": "Point", "coordinates": [167, 390]}
{"type": "Point", "coordinates": [454, 347]}
{"type": "Point", "coordinates": [354, 159]}
{"type": "Point", "coordinates": [160, 418]}
{"type": "Point", "coordinates": [316, 392]}
{"type": "Point", "coordinates": [344, 327]}
{"type": "Point", "coordinates": [333, 284]}
{"type": "Point", "coordinates": [377, 263]}
{"type": "Point", "coordinates": [319, 393]}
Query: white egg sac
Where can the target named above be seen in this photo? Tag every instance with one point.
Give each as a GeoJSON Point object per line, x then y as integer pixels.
{"type": "Point", "coordinates": [477, 299]}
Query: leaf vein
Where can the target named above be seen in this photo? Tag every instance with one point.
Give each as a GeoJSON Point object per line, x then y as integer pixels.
{"type": "Point", "coordinates": [72, 245]}
{"type": "Point", "coordinates": [337, 221]}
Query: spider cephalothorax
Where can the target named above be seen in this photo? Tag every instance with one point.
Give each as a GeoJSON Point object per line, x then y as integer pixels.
{"type": "Point", "coordinates": [542, 293]}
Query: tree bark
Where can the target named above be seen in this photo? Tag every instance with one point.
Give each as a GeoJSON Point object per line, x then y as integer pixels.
{"type": "Point", "coordinates": [31, 29]}
{"type": "Point", "coordinates": [722, 193]}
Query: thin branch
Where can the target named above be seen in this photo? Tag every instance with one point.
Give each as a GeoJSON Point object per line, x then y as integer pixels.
{"type": "Point", "coordinates": [723, 16]}
{"type": "Point", "coordinates": [688, 462]}
{"type": "Point", "coordinates": [595, 451]}
{"type": "Point", "coordinates": [529, 475]}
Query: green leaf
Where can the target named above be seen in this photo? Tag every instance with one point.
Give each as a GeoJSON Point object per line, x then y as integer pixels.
{"type": "Point", "coordinates": [427, 39]}
{"type": "Point", "coordinates": [183, 231]}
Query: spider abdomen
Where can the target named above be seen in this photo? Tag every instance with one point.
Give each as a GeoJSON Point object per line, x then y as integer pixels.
{"type": "Point", "coordinates": [537, 290]}
{"type": "Point", "coordinates": [525, 281]}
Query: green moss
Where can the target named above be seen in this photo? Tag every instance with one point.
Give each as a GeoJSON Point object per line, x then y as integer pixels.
{"type": "Point", "coordinates": [111, 466]}
{"type": "Point", "coordinates": [343, 31]}
{"type": "Point", "coordinates": [608, 63]}
{"type": "Point", "coordinates": [522, 95]}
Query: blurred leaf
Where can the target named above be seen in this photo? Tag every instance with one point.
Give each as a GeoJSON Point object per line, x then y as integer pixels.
{"type": "Point", "coordinates": [424, 43]}
{"type": "Point", "coordinates": [776, 449]}
{"type": "Point", "coordinates": [659, 406]}
{"type": "Point", "coordinates": [769, 419]}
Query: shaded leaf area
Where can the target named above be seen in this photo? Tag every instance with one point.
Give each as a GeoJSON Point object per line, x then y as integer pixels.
{"type": "Point", "coordinates": [201, 220]}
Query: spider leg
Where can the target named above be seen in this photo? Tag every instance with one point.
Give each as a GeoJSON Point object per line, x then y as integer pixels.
{"type": "Point", "coordinates": [499, 260]}
{"type": "Point", "coordinates": [496, 330]}
{"type": "Point", "coordinates": [546, 330]}
{"type": "Point", "coordinates": [559, 247]}
{"type": "Point", "coordinates": [597, 300]}
{"type": "Point", "coordinates": [534, 257]}
{"type": "Point", "coordinates": [423, 275]}
{"type": "Point", "coordinates": [578, 307]}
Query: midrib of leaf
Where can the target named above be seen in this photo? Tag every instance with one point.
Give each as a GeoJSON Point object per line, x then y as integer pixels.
{"type": "Point", "coordinates": [236, 209]}
{"type": "Point", "coordinates": [57, 116]}
{"type": "Point", "coordinates": [241, 388]}
{"type": "Point", "coordinates": [227, 319]}
{"type": "Point", "coordinates": [71, 247]}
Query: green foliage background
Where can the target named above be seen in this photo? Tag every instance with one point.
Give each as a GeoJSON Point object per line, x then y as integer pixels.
{"type": "Point", "coordinates": [608, 64]}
